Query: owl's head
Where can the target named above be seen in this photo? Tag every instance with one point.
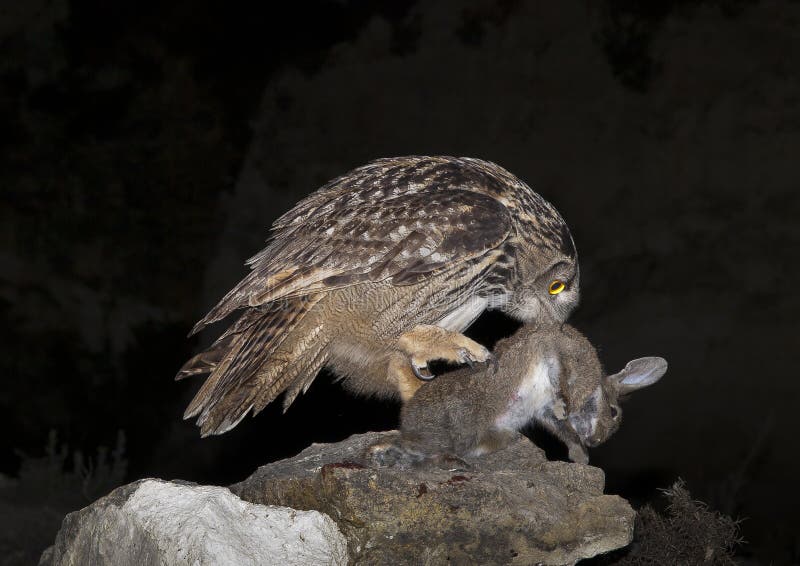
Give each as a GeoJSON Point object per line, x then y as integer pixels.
{"type": "Point", "coordinates": [545, 294]}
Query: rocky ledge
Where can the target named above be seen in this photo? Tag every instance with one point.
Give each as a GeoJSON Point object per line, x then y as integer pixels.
{"type": "Point", "coordinates": [511, 507]}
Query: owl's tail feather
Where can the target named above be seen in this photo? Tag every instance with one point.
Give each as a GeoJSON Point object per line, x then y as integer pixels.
{"type": "Point", "coordinates": [254, 361]}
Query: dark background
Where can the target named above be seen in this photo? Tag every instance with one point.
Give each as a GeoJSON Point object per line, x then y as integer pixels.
{"type": "Point", "coordinates": [145, 148]}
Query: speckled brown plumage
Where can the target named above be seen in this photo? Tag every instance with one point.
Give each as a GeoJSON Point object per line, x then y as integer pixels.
{"type": "Point", "coordinates": [389, 246]}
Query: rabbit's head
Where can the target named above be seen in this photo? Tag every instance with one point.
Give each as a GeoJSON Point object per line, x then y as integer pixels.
{"type": "Point", "coordinates": [598, 415]}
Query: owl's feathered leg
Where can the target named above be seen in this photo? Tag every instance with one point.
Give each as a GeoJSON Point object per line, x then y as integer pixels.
{"type": "Point", "coordinates": [403, 376]}
{"type": "Point", "coordinates": [425, 343]}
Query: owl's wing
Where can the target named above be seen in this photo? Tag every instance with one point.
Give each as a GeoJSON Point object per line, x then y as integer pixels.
{"type": "Point", "coordinates": [404, 239]}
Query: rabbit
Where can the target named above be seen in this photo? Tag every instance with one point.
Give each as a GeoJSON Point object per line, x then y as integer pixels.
{"type": "Point", "coordinates": [551, 376]}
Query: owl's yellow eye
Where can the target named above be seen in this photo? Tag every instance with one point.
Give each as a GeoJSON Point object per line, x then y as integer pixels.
{"type": "Point", "coordinates": [556, 287]}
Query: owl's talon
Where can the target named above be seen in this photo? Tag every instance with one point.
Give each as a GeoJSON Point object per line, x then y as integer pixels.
{"type": "Point", "coordinates": [465, 357]}
{"type": "Point", "coordinates": [422, 372]}
{"type": "Point", "coordinates": [426, 342]}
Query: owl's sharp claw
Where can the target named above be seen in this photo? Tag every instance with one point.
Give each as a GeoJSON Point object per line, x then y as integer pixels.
{"type": "Point", "coordinates": [422, 372]}
{"type": "Point", "coordinates": [465, 357]}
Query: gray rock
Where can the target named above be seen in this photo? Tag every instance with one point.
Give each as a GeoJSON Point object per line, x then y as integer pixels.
{"type": "Point", "coordinates": [511, 507]}
{"type": "Point", "coordinates": [158, 522]}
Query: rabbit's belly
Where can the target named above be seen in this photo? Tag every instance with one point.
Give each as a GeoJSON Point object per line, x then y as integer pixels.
{"type": "Point", "coordinates": [534, 394]}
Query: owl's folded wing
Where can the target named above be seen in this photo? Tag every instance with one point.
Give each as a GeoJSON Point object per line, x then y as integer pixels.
{"type": "Point", "coordinates": [402, 239]}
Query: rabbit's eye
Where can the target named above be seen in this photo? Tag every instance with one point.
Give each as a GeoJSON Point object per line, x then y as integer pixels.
{"type": "Point", "coordinates": [614, 412]}
{"type": "Point", "coordinates": [556, 286]}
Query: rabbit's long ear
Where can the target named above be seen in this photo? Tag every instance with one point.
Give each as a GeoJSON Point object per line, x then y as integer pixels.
{"type": "Point", "coordinates": [638, 373]}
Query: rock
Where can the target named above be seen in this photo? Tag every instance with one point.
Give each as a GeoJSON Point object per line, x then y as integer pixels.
{"type": "Point", "coordinates": [513, 506]}
{"type": "Point", "coordinates": [510, 507]}
{"type": "Point", "coordinates": [158, 522]}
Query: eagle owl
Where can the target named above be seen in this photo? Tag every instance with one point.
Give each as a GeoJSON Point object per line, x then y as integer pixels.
{"type": "Point", "coordinates": [377, 273]}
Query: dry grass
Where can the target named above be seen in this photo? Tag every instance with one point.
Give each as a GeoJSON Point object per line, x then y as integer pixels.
{"type": "Point", "coordinates": [686, 533]}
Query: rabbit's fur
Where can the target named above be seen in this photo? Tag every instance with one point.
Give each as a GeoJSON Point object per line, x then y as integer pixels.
{"type": "Point", "coordinates": [548, 375]}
